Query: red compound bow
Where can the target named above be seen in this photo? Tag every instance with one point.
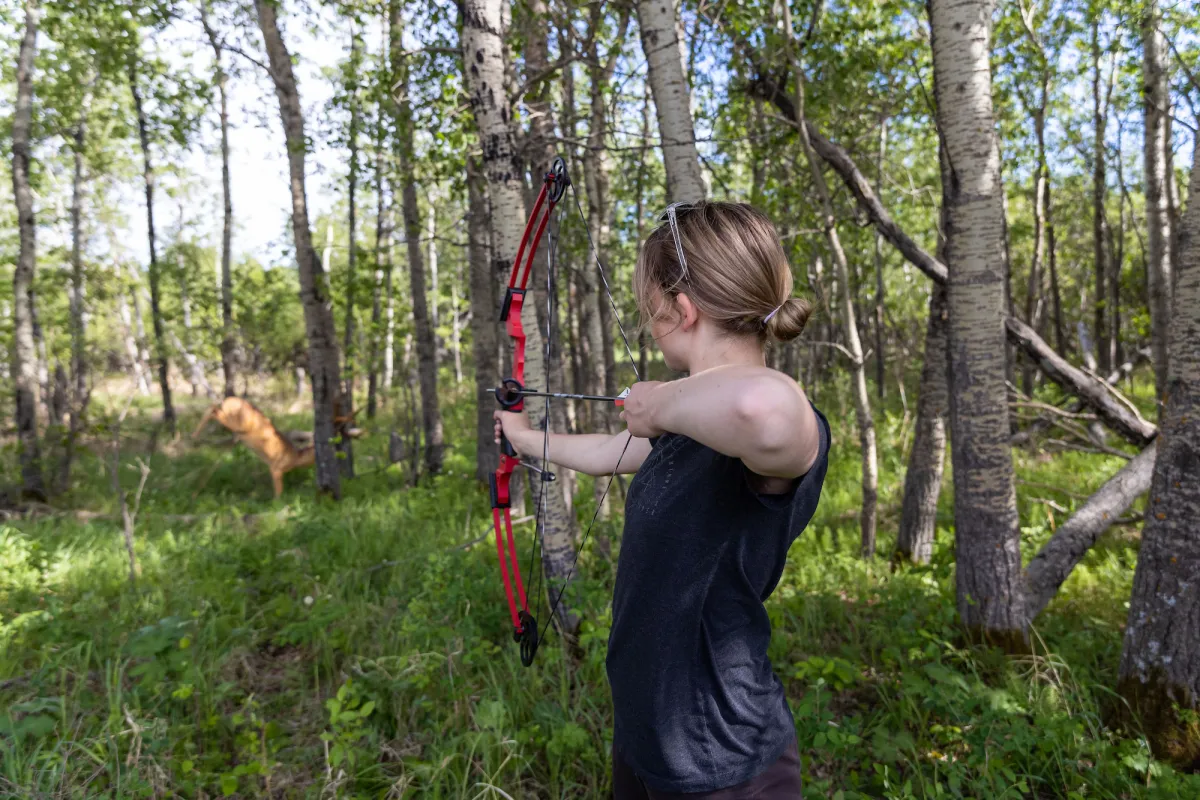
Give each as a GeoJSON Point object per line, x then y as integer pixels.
{"type": "Point", "coordinates": [511, 396]}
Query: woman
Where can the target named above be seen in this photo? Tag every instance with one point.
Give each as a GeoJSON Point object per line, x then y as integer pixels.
{"type": "Point", "coordinates": [729, 462]}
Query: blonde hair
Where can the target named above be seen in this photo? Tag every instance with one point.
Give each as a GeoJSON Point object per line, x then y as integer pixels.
{"type": "Point", "coordinates": [736, 271]}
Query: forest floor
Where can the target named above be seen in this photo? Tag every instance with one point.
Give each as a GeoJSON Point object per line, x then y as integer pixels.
{"type": "Point", "coordinates": [302, 648]}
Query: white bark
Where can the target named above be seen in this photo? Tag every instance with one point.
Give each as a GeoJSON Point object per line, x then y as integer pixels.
{"type": "Point", "coordinates": [1155, 105]}
{"type": "Point", "coordinates": [483, 55]}
{"type": "Point", "coordinates": [986, 524]}
{"type": "Point", "coordinates": [318, 314]}
{"type": "Point", "coordinates": [663, 49]}
{"type": "Point", "coordinates": [1160, 662]}
{"type": "Point", "coordinates": [25, 360]}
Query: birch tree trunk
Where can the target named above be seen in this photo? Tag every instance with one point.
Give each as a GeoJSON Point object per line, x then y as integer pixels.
{"type": "Point", "coordinates": [456, 322]}
{"type": "Point", "coordinates": [1033, 293]}
{"type": "Point", "coordinates": [79, 366]}
{"type": "Point", "coordinates": [986, 533]}
{"type": "Point", "coordinates": [858, 367]}
{"type": "Point", "coordinates": [923, 478]}
{"type": "Point", "coordinates": [1099, 224]}
{"type": "Point", "coordinates": [541, 143]}
{"type": "Point", "coordinates": [927, 459]}
{"type": "Point", "coordinates": [878, 252]}
{"type": "Point", "coordinates": [1155, 104]}
{"type": "Point", "coordinates": [658, 21]}
{"type": "Point", "coordinates": [483, 313]}
{"type": "Point", "coordinates": [1060, 331]}
{"type": "Point", "coordinates": [318, 315]}
{"type": "Point", "coordinates": [156, 320]}
{"type": "Point", "coordinates": [594, 314]}
{"type": "Point", "coordinates": [132, 352]}
{"type": "Point", "coordinates": [431, 418]}
{"type": "Point", "coordinates": [1160, 662]}
{"type": "Point", "coordinates": [640, 183]}
{"type": "Point", "coordinates": [24, 352]}
{"type": "Point", "coordinates": [483, 50]}
{"type": "Point", "coordinates": [79, 392]}
{"type": "Point", "coordinates": [383, 272]}
{"type": "Point", "coordinates": [228, 344]}
{"type": "Point", "coordinates": [345, 444]}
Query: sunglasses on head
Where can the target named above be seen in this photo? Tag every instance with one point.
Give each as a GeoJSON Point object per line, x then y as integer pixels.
{"type": "Point", "coordinates": [670, 216]}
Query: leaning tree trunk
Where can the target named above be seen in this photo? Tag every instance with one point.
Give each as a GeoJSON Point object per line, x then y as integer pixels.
{"type": "Point", "coordinates": [318, 316]}
{"type": "Point", "coordinates": [483, 51]}
{"type": "Point", "coordinates": [431, 418]}
{"type": "Point", "coordinates": [1049, 569]}
{"type": "Point", "coordinates": [923, 478]}
{"type": "Point", "coordinates": [663, 48]}
{"type": "Point", "coordinates": [228, 343]}
{"type": "Point", "coordinates": [483, 316]}
{"type": "Point", "coordinates": [1155, 104]}
{"type": "Point", "coordinates": [156, 319]}
{"type": "Point", "coordinates": [1160, 662]}
{"type": "Point", "coordinates": [24, 350]}
{"type": "Point", "coordinates": [987, 538]}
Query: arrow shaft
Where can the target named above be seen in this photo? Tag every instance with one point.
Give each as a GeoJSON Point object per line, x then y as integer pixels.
{"type": "Point", "coordinates": [564, 396]}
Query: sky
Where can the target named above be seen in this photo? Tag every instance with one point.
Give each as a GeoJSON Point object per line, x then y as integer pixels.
{"type": "Point", "coordinates": [258, 160]}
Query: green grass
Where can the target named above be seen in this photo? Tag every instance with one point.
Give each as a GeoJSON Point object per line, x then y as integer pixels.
{"type": "Point", "coordinates": [361, 649]}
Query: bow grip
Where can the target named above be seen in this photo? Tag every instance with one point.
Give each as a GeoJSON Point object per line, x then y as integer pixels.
{"type": "Point", "coordinates": [506, 447]}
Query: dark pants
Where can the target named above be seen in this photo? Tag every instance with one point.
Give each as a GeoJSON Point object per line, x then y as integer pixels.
{"type": "Point", "coordinates": [780, 781]}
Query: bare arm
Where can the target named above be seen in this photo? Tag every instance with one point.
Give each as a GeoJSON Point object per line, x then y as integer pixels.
{"type": "Point", "coordinates": [589, 453]}
{"type": "Point", "coordinates": [756, 414]}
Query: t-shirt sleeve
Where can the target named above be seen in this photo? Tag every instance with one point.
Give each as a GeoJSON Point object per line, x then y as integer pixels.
{"type": "Point", "coordinates": [801, 501]}
{"type": "Point", "coordinates": [808, 493]}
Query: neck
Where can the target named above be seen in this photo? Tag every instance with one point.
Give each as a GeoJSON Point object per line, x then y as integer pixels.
{"type": "Point", "coordinates": [718, 349]}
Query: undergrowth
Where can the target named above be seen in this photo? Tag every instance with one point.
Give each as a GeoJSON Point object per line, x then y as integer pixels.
{"type": "Point", "coordinates": [303, 648]}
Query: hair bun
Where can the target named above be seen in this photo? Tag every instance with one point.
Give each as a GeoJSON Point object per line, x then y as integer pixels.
{"type": "Point", "coordinates": [788, 322]}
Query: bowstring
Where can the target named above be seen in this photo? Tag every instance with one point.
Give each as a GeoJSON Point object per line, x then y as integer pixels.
{"type": "Point", "coordinates": [583, 541]}
{"type": "Point", "coordinates": [629, 437]}
{"type": "Point", "coordinates": [604, 279]}
{"type": "Point", "coordinates": [539, 529]}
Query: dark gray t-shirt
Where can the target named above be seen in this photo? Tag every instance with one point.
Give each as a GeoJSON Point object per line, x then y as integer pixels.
{"type": "Point", "coordinates": [697, 705]}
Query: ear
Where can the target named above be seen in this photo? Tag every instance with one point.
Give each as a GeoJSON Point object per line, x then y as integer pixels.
{"type": "Point", "coordinates": [688, 312]}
